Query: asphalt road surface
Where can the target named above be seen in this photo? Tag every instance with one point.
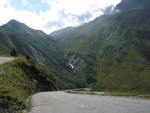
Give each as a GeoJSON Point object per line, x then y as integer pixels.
{"type": "Point", "coordinates": [61, 102]}
{"type": "Point", "coordinates": [5, 59]}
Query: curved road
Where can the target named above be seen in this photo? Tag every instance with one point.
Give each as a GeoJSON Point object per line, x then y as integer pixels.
{"type": "Point", "coordinates": [61, 102]}
{"type": "Point", "coordinates": [5, 59]}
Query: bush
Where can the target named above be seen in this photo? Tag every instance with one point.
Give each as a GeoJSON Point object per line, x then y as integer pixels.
{"type": "Point", "coordinates": [13, 52]}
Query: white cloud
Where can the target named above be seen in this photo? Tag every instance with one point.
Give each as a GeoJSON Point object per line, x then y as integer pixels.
{"type": "Point", "coordinates": [64, 12]}
{"type": "Point", "coordinates": [5, 11]}
{"type": "Point", "coordinates": [80, 6]}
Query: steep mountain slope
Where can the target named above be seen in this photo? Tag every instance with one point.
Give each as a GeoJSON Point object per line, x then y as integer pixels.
{"type": "Point", "coordinates": [38, 45]}
{"type": "Point", "coordinates": [134, 4]}
{"type": "Point", "coordinates": [116, 51]}
{"type": "Point", "coordinates": [124, 54]}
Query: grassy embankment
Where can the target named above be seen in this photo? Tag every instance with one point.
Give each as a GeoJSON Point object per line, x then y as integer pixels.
{"type": "Point", "coordinates": [19, 80]}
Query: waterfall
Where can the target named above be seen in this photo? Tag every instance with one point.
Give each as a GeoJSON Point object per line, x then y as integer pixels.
{"type": "Point", "coordinates": [71, 65]}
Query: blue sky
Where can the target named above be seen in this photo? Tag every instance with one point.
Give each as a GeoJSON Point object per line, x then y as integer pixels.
{"type": "Point", "coordinates": [30, 5]}
{"type": "Point", "coordinates": [50, 15]}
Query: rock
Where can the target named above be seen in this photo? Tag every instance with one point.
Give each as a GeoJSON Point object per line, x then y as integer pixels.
{"type": "Point", "coordinates": [24, 111]}
{"type": "Point", "coordinates": [2, 72]}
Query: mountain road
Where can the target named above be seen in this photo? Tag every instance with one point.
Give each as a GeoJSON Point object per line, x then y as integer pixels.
{"type": "Point", "coordinates": [61, 102]}
{"type": "Point", "coordinates": [6, 59]}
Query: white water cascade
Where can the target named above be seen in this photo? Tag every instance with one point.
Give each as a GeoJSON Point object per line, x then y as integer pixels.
{"type": "Point", "coordinates": [71, 65]}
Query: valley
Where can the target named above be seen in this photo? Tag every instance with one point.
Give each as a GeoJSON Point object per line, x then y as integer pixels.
{"type": "Point", "coordinates": [108, 54]}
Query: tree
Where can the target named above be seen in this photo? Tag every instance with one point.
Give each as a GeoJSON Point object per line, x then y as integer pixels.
{"type": "Point", "coordinates": [28, 57]}
{"type": "Point", "coordinates": [13, 52]}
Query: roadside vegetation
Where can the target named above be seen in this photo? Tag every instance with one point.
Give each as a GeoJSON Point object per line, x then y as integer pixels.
{"type": "Point", "coordinates": [21, 79]}
{"type": "Point", "coordinates": [90, 91]}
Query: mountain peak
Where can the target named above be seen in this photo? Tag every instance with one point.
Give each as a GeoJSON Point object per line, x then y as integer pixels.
{"type": "Point", "coordinates": [16, 24]}
{"type": "Point", "coordinates": [13, 21]}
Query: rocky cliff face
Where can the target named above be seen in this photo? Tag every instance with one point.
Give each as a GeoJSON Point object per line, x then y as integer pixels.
{"type": "Point", "coordinates": [75, 61]}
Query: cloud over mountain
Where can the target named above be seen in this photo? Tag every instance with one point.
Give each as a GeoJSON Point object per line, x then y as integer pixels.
{"type": "Point", "coordinates": [49, 15]}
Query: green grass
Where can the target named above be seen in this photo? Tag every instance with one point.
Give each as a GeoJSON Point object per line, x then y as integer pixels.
{"type": "Point", "coordinates": [22, 79]}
